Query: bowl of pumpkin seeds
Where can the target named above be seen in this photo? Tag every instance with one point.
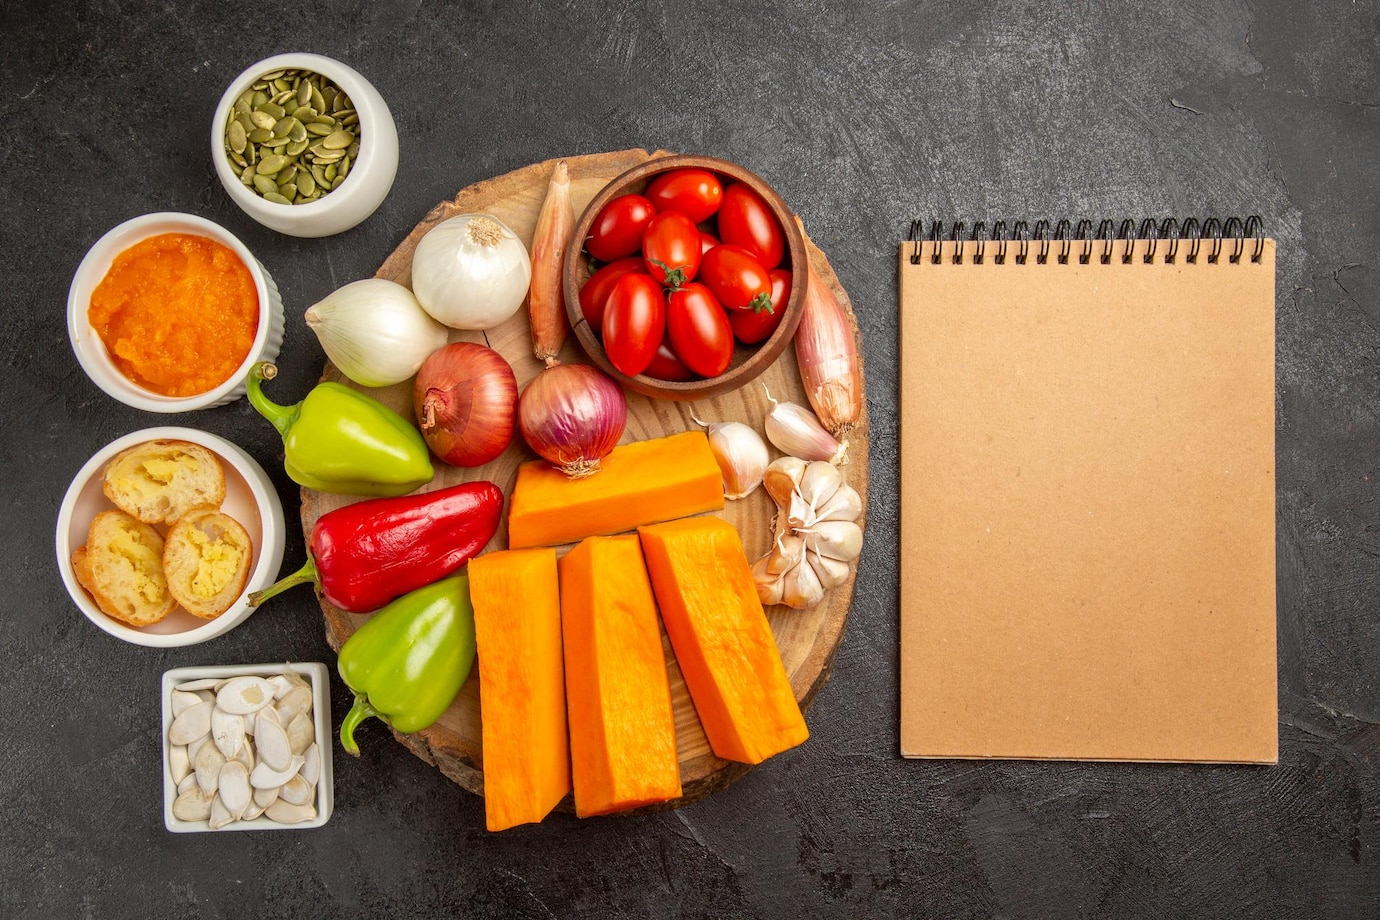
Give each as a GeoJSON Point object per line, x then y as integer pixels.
{"type": "Point", "coordinates": [304, 144]}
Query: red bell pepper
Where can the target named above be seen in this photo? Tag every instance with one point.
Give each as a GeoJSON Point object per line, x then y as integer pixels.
{"type": "Point", "coordinates": [364, 555]}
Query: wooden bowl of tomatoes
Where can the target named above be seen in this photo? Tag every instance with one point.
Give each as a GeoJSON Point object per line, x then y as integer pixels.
{"type": "Point", "coordinates": [689, 278]}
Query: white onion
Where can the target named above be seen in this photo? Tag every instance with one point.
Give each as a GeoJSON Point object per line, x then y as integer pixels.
{"type": "Point", "coordinates": [375, 332]}
{"type": "Point", "coordinates": [471, 272]}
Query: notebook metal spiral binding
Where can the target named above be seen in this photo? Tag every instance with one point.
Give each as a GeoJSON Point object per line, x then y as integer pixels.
{"type": "Point", "coordinates": [1212, 233]}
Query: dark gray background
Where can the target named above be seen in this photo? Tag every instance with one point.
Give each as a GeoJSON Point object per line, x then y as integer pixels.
{"type": "Point", "coordinates": [863, 115]}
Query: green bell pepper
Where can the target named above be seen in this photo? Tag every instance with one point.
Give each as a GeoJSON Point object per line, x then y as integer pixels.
{"type": "Point", "coordinates": [408, 662]}
{"type": "Point", "coordinates": [339, 440]}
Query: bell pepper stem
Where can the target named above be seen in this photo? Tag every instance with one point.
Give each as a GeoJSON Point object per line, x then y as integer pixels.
{"type": "Point", "coordinates": [282, 417]}
{"type": "Point", "coordinates": [361, 710]}
{"type": "Point", "coordinates": [306, 573]}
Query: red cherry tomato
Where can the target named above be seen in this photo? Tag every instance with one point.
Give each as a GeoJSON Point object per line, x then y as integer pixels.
{"type": "Point", "coordinates": [746, 220]}
{"type": "Point", "coordinates": [699, 330]}
{"type": "Point", "coordinates": [736, 278]}
{"type": "Point", "coordinates": [696, 193]}
{"type": "Point", "coordinates": [634, 323]}
{"type": "Point", "coordinates": [756, 326]}
{"type": "Point", "coordinates": [596, 291]}
{"type": "Point", "coordinates": [671, 244]}
{"type": "Point", "coordinates": [667, 366]}
{"type": "Point", "coordinates": [618, 228]}
{"type": "Point", "coordinates": [707, 241]}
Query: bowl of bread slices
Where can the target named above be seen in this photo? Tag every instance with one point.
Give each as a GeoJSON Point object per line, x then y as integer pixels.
{"type": "Point", "coordinates": [164, 533]}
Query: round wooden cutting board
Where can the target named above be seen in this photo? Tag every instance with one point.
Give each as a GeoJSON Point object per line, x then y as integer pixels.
{"type": "Point", "coordinates": [807, 638]}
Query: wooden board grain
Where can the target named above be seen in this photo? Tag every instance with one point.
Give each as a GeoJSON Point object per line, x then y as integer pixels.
{"type": "Point", "coordinates": [807, 639]}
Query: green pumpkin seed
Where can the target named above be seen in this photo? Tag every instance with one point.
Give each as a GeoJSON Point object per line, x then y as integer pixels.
{"type": "Point", "coordinates": [331, 171]}
{"type": "Point", "coordinates": [276, 142]}
{"type": "Point", "coordinates": [271, 164]}
{"type": "Point", "coordinates": [283, 127]}
{"type": "Point", "coordinates": [304, 113]}
{"type": "Point", "coordinates": [272, 76]}
{"type": "Point", "coordinates": [260, 97]}
{"type": "Point", "coordinates": [353, 152]}
{"type": "Point", "coordinates": [296, 148]}
{"type": "Point", "coordinates": [238, 159]}
{"type": "Point", "coordinates": [259, 135]}
{"type": "Point", "coordinates": [303, 93]}
{"type": "Point", "coordinates": [275, 198]}
{"type": "Point", "coordinates": [235, 135]}
{"type": "Point", "coordinates": [288, 190]}
{"type": "Point", "coordinates": [251, 154]}
{"type": "Point", "coordinates": [306, 183]}
{"type": "Point", "coordinates": [287, 174]}
{"type": "Point", "coordinates": [262, 119]}
{"type": "Point", "coordinates": [245, 121]}
{"type": "Point", "coordinates": [344, 169]}
{"type": "Point", "coordinates": [318, 101]}
{"type": "Point", "coordinates": [265, 184]}
{"type": "Point", "coordinates": [298, 132]}
{"type": "Point", "coordinates": [272, 109]}
{"type": "Point", "coordinates": [280, 84]}
{"type": "Point", "coordinates": [319, 130]}
{"type": "Point", "coordinates": [247, 177]}
{"type": "Point", "coordinates": [339, 140]}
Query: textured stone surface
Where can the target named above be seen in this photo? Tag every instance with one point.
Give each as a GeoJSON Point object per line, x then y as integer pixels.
{"type": "Point", "coordinates": [863, 115]}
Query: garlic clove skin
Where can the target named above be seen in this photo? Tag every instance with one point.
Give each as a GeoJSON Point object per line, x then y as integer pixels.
{"type": "Point", "coordinates": [741, 455]}
{"type": "Point", "coordinates": [796, 431]}
{"type": "Point", "coordinates": [843, 505]}
{"type": "Point", "coordinates": [801, 587]}
{"type": "Point", "coordinates": [819, 483]}
{"type": "Point", "coordinates": [768, 584]}
{"type": "Point", "coordinates": [781, 478]}
{"type": "Point", "coordinates": [831, 572]}
{"type": "Point", "coordinates": [787, 553]}
{"type": "Point", "coordinates": [835, 539]}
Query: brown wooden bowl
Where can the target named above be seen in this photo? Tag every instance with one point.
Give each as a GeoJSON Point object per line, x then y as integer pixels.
{"type": "Point", "coordinates": [748, 360]}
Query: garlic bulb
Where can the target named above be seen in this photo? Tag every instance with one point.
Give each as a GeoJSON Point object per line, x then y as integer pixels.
{"type": "Point", "coordinates": [375, 332]}
{"type": "Point", "coordinates": [796, 431]}
{"type": "Point", "coordinates": [817, 533]}
{"type": "Point", "coordinates": [471, 272]}
{"type": "Point", "coordinates": [741, 455]}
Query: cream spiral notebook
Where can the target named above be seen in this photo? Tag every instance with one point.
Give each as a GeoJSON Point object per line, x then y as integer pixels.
{"type": "Point", "coordinates": [1087, 492]}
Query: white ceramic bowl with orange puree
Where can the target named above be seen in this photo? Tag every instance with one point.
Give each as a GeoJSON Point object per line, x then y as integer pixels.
{"type": "Point", "coordinates": [91, 351]}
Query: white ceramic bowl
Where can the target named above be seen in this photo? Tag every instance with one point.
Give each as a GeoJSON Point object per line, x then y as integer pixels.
{"type": "Point", "coordinates": [249, 498]}
{"type": "Point", "coordinates": [371, 175]}
{"type": "Point", "coordinates": [314, 673]}
{"type": "Point", "coordinates": [90, 350]}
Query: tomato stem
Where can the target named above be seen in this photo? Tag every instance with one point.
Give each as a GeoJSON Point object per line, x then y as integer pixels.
{"type": "Point", "coordinates": [675, 277]}
{"type": "Point", "coordinates": [761, 302]}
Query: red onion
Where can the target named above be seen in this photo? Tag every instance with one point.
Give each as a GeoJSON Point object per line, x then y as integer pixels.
{"type": "Point", "coordinates": [573, 416]}
{"type": "Point", "coordinates": [464, 399]}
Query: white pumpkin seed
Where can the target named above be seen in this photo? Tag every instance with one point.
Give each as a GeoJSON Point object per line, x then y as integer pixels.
{"type": "Point", "coordinates": [188, 782]}
{"type": "Point", "coordinates": [300, 733]}
{"type": "Point", "coordinates": [252, 811]}
{"type": "Point", "coordinates": [297, 791]}
{"type": "Point", "coordinates": [265, 777]}
{"type": "Point", "coordinates": [266, 796]}
{"type": "Point", "coordinates": [297, 701]}
{"type": "Point", "coordinates": [194, 723]}
{"type": "Point", "coordinates": [267, 716]}
{"type": "Point", "coordinates": [204, 683]}
{"type": "Point", "coordinates": [181, 701]}
{"type": "Point", "coordinates": [287, 813]}
{"type": "Point", "coordinates": [245, 694]}
{"type": "Point", "coordinates": [191, 806]}
{"type": "Point", "coordinates": [281, 685]}
{"type": "Point", "coordinates": [220, 814]}
{"type": "Point", "coordinates": [311, 764]}
{"type": "Point", "coordinates": [234, 788]}
{"type": "Point", "coordinates": [195, 747]}
{"type": "Point", "coordinates": [227, 730]}
{"type": "Point", "coordinates": [273, 747]}
{"type": "Point", "coordinates": [208, 763]}
{"type": "Point", "coordinates": [206, 696]}
{"type": "Point", "coordinates": [245, 754]}
{"type": "Point", "coordinates": [179, 764]}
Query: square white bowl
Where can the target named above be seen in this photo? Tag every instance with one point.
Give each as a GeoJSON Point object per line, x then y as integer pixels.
{"type": "Point", "coordinates": [250, 498]}
{"type": "Point", "coordinates": [315, 673]}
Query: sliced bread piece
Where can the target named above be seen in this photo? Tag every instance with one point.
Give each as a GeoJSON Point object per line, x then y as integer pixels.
{"type": "Point", "coordinates": [206, 561]}
{"type": "Point", "coordinates": [121, 566]}
{"type": "Point", "coordinates": [160, 481]}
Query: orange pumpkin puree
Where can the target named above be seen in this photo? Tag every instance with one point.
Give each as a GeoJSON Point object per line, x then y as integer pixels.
{"type": "Point", "coordinates": [178, 313]}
